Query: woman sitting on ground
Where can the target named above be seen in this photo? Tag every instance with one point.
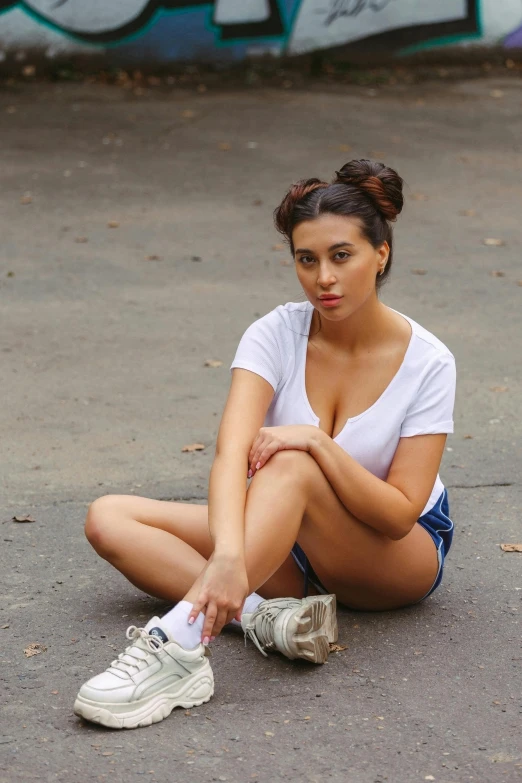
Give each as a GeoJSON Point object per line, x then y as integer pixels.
{"type": "Point", "coordinates": [338, 412]}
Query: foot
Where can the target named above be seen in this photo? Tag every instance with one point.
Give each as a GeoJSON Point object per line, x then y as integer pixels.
{"type": "Point", "coordinates": [145, 683]}
{"type": "Point", "coordinates": [294, 627]}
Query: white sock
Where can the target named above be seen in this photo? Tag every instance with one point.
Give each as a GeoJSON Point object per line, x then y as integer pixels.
{"type": "Point", "coordinates": [176, 623]}
{"type": "Point", "coordinates": [252, 601]}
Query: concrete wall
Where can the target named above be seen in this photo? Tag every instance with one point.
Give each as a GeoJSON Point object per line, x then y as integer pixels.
{"type": "Point", "coordinates": [162, 31]}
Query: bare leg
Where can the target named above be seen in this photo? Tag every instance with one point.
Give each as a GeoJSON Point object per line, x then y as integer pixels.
{"type": "Point", "coordinates": [288, 499]}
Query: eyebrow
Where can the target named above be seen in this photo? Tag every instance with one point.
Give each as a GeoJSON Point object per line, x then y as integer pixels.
{"type": "Point", "coordinates": [333, 247]}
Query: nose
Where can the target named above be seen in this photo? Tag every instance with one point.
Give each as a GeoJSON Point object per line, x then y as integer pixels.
{"type": "Point", "coordinates": [326, 276]}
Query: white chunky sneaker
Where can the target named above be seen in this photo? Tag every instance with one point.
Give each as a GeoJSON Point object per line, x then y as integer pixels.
{"type": "Point", "coordinates": [297, 628]}
{"type": "Point", "coordinates": [145, 683]}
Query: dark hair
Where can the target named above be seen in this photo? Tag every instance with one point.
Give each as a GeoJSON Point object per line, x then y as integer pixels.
{"type": "Point", "coordinates": [362, 188]}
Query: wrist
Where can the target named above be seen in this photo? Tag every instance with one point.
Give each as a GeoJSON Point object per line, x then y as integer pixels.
{"type": "Point", "coordinates": [227, 554]}
{"type": "Point", "coordinates": [317, 441]}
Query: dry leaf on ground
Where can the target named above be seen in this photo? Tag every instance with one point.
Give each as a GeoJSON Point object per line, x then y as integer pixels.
{"type": "Point", "coordinates": [153, 257]}
{"type": "Point", "coordinates": [27, 199]}
{"type": "Point", "coordinates": [194, 447]}
{"type": "Point", "coordinates": [338, 647]}
{"type": "Point", "coordinates": [511, 547]}
{"type": "Point", "coordinates": [187, 114]}
{"type": "Point", "coordinates": [81, 240]}
{"type": "Point", "coordinates": [344, 147]}
{"type": "Point", "coordinates": [24, 518]}
{"type": "Point", "coordinates": [34, 649]}
{"type": "Point", "coordinates": [223, 145]}
{"type": "Point", "coordinates": [419, 197]}
{"type": "Point", "coordinates": [499, 388]}
{"type": "Point", "coordinates": [497, 273]}
{"type": "Point", "coordinates": [279, 246]}
{"type": "Point", "coordinates": [213, 363]}
{"type": "Point", "coordinates": [467, 213]}
{"type": "Point", "coordinates": [113, 224]}
{"type": "Point", "coordinates": [493, 242]}
{"type": "Point", "coordinates": [419, 272]}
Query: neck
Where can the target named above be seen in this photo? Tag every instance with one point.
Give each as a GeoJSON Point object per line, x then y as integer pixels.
{"type": "Point", "coordinates": [359, 332]}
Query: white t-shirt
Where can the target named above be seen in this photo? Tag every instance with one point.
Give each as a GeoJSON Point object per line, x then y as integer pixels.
{"type": "Point", "coordinates": [418, 401]}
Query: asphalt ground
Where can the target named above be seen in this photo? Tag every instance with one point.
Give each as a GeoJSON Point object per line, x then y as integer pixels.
{"type": "Point", "coordinates": [137, 244]}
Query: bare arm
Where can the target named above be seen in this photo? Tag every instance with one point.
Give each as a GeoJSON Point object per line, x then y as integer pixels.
{"type": "Point", "coordinates": [245, 410]}
{"type": "Point", "coordinates": [393, 506]}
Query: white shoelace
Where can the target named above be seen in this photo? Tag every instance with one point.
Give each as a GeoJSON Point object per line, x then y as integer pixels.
{"type": "Point", "coordinates": [144, 642]}
{"type": "Point", "coordinates": [263, 637]}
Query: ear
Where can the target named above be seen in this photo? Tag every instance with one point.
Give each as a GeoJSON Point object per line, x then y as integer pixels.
{"type": "Point", "coordinates": [383, 253]}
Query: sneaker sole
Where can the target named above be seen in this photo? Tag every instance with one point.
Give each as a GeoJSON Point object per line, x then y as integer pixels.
{"type": "Point", "coordinates": [190, 692]}
{"type": "Point", "coordinates": [330, 624]}
{"type": "Point", "coordinates": [304, 633]}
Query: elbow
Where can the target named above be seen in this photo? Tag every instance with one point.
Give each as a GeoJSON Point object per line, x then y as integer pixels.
{"type": "Point", "coordinates": [401, 529]}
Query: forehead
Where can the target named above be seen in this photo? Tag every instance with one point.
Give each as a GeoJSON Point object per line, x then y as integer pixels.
{"type": "Point", "coordinates": [327, 230]}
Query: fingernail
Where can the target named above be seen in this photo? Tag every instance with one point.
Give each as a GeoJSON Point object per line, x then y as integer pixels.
{"type": "Point", "coordinates": [191, 620]}
{"type": "Point", "coordinates": [249, 474]}
{"type": "Point", "coordinates": [206, 640]}
{"type": "Point", "coordinates": [258, 466]}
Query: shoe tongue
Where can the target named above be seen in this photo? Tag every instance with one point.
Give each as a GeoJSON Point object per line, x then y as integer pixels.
{"type": "Point", "coordinates": [154, 628]}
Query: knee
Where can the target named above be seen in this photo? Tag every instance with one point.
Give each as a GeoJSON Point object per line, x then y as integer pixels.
{"type": "Point", "coordinates": [101, 523]}
{"type": "Point", "coordinates": [291, 463]}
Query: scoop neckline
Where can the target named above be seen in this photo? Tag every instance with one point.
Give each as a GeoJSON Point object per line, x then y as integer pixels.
{"type": "Point", "coordinates": [378, 400]}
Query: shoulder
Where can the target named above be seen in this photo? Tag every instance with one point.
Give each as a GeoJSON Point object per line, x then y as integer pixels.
{"type": "Point", "coordinates": [283, 319]}
{"type": "Point", "coordinates": [426, 344]}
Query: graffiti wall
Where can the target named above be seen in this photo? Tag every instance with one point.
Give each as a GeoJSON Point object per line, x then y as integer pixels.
{"type": "Point", "coordinates": [162, 31]}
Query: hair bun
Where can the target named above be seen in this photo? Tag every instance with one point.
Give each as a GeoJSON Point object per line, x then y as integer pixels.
{"type": "Point", "coordinates": [382, 185]}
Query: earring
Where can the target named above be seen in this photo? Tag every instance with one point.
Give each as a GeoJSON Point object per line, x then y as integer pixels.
{"type": "Point", "coordinates": [382, 270]}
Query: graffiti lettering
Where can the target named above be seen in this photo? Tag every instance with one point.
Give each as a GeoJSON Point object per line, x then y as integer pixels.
{"type": "Point", "coordinates": [342, 8]}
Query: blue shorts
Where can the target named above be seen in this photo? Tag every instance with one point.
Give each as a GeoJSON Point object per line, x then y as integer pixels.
{"type": "Point", "coordinates": [436, 521]}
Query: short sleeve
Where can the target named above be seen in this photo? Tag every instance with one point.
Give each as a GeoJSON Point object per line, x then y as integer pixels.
{"type": "Point", "coordinates": [258, 351]}
{"type": "Point", "coordinates": [431, 410]}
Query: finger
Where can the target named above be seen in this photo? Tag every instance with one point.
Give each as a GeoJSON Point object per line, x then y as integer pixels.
{"type": "Point", "coordinates": [220, 621]}
{"type": "Point", "coordinates": [210, 619]}
{"type": "Point", "coordinates": [265, 455]}
{"type": "Point", "coordinates": [198, 607]}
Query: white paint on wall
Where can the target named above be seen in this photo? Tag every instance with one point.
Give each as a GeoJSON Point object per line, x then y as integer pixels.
{"type": "Point", "coordinates": [89, 16]}
{"type": "Point", "coordinates": [241, 11]}
{"type": "Point", "coordinates": [321, 24]}
{"type": "Point", "coordinates": [18, 32]}
{"type": "Point", "coordinates": [499, 19]}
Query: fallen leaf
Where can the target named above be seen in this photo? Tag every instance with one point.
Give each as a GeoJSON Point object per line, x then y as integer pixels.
{"type": "Point", "coordinates": [4, 627]}
{"type": "Point", "coordinates": [29, 70]}
{"type": "Point", "coordinates": [286, 263]}
{"type": "Point", "coordinates": [107, 753]}
{"type": "Point", "coordinates": [419, 197]}
{"type": "Point", "coordinates": [257, 202]}
{"type": "Point", "coordinates": [113, 224]}
{"type": "Point", "coordinates": [81, 240]}
{"type": "Point", "coordinates": [25, 518]}
{"type": "Point", "coordinates": [54, 693]}
{"type": "Point", "coordinates": [307, 717]}
{"type": "Point", "coordinates": [496, 94]}
{"type": "Point", "coordinates": [499, 388]}
{"type": "Point", "coordinates": [34, 649]}
{"type": "Point", "coordinates": [467, 212]}
{"type": "Point", "coordinates": [511, 547]}
{"type": "Point", "coordinates": [344, 147]}
{"type": "Point", "coordinates": [187, 114]}
{"type": "Point", "coordinates": [213, 363]}
{"type": "Point", "coordinates": [419, 272]}
{"type": "Point", "coordinates": [497, 273]}
{"type": "Point", "coordinates": [279, 246]}
{"type": "Point", "coordinates": [467, 437]}
{"type": "Point", "coordinates": [493, 242]}
{"type": "Point", "coordinates": [27, 199]}
{"type": "Point", "coordinates": [10, 274]}
{"type": "Point", "coordinates": [194, 447]}
{"type": "Point", "coordinates": [429, 777]}
{"type": "Point", "coordinates": [519, 282]}
{"type": "Point", "coordinates": [269, 733]}
{"type": "Point", "coordinates": [223, 145]}
{"type": "Point", "coordinates": [338, 647]}
{"type": "Point", "coordinates": [11, 109]}
{"type": "Point", "coordinates": [153, 257]}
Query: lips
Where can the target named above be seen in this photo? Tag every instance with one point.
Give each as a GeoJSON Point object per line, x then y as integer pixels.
{"type": "Point", "coordinates": [329, 296]}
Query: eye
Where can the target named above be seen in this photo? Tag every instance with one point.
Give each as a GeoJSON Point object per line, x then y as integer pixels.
{"type": "Point", "coordinates": [342, 255]}
{"type": "Point", "coordinates": [305, 260]}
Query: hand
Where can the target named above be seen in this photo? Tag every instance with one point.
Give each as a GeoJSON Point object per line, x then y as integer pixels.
{"type": "Point", "coordinates": [221, 595]}
{"type": "Point", "coordinates": [272, 439]}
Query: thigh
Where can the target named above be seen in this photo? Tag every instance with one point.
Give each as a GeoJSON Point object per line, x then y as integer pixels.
{"type": "Point", "coordinates": [187, 521]}
{"type": "Point", "coordinates": [365, 568]}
